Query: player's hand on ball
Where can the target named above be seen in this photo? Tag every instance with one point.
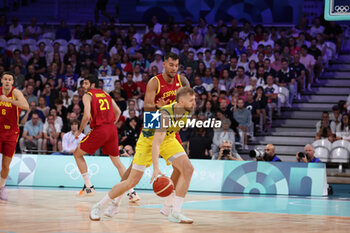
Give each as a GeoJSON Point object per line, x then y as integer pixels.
{"type": "Point", "coordinates": [156, 173]}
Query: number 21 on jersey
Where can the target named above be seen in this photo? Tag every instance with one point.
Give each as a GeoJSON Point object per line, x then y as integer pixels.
{"type": "Point", "coordinates": [103, 104]}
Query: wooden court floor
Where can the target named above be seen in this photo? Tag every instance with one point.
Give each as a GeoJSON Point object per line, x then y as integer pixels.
{"type": "Point", "coordinates": [40, 210]}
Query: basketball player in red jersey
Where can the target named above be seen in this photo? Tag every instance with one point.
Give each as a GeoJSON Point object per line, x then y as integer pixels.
{"type": "Point", "coordinates": [160, 91]}
{"type": "Point", "coordinates": [104, 113]}
{"type": "Point", "coordinates": [11, 103]}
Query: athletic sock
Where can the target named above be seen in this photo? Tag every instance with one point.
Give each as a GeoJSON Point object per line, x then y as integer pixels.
{"type": "Point", "coordinates": [169, 200]}
{"type": "Point", "coordinates": [2, 182]}
{"type": "Point", "coordinates": [178, 201]}
{"type": "Point", "coordinates": [131, 190]}
{"type": "Point", "coordinates": [86, 180]}
{"type": "Point", "coordinates": [105, 200]}
{"type": "Point", "coordinates": [117, 200]}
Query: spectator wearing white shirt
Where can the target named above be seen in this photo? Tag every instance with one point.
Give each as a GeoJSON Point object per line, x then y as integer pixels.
{"type": "Point", "coordinates": [308, 61]}
{"type": "Point", "coordinates": [343, 129]}
{"type": "Point", "coordinates": [51, 132]}
{"type": "Point", "coordinates": [266, 40]}
{"type": "Point", "coordinates": [16, 29]}
{"type": "Point", "coordinates": [33, 30]}
{"type": "Point", "coordinates": [69, 142]}
{"type": "Point", "coordinates": [157, 27]}
{"type": "Point", "coordinates": [316, 28]}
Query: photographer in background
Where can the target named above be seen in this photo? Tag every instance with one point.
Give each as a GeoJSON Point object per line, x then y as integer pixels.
{"type": "Point", "coordinates": [269, 155]}
{"type": "Point", "coordinates": [226, 152]}
{"type": "Point", "coordinates": [308, 155]}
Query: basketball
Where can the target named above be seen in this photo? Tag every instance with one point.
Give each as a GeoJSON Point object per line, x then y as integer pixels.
{"type": "Point", "coordinates": [163, 186]}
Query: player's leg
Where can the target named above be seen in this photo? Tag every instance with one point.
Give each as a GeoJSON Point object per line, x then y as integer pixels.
{"type": "Point", "coordinates": [183, 164]}
{"type": "Point", "coordinates": [117, 191]}
{"type": "Point", "coordinates": [7, 149]}
{"type": "Point", "coordinates": [169, 200]}
{"type": "Point", "coordinates": [133, 197]}
{"type": "Point", "coordinates": [88, 189]}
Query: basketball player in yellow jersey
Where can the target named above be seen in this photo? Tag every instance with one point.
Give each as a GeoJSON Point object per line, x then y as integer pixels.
{"type": "Point", "coordinates": [153, 143]}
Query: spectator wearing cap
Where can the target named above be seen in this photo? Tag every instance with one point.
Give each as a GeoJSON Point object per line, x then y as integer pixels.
{"type": "Point", "coordinates": [158, 62]}
{"type": "Point", "coordinates": [240, 78]}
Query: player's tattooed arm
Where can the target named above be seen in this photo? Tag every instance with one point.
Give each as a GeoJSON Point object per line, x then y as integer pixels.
{"type": "Point", "coordinates": [151, 90]}
{"type": "Point", "coordinates": [184, 81]}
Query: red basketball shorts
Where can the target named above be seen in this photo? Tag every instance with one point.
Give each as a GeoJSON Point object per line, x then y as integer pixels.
{"type": "Point", "coordinates": [8, 143]}
{"type": "Point", "coordinates": [105, 136]}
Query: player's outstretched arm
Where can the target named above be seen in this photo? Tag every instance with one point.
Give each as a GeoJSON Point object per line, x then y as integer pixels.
{"type": "Point", "coordinates": [116, 110]}
{"type": "Point", "coordinates": [151, 90]}
{"type": "Point", "coordinates": [19, 100]}
{"type": "Point", "coordinates": [86, 116]}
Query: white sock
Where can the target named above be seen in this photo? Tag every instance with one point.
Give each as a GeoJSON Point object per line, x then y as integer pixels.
{"type": "Point", "coordinates": [105, 200]}
{"type": "Point", "coordinates": [178, 201]}
{"type": "Point", "coordinates": [117, 200]}
{"type": "Point", "coordinates": [169, 200]}
{"type": "Point", "coordinates": [86, 180]}
{"type": "Point", "coordinates": [2, 182]}
{"type": "Point", "coordinates": [131, 190]}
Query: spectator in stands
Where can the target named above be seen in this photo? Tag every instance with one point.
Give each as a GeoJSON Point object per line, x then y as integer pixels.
{"type": "Point", "coordinates": [199, 146]}
{"type": "Point", "coordinates": [177, 36]}
{"type": "Point", "coordinates": [243, 117]}
{"type": "Point", "coordinates": [267, 68]}
{"type": "Point", "coordinates": [130, 133]}
{"type": "Point", "coordinates": [253, 106]}
{"type": "Point", "coordinates": [118, 87]}
{"type": "Point", "coordinates": [195, 38]}
{"type": "Point", "coordinates": [334, 33]}
{"type": "Point", "coordinates": [271, 92]}
{"type": "Point", "coordinates": [309, 155]}
{"type": "Point", "coordinates": [66, 100]}
{"type": "Point", "coordinates": [210, 38]}
{"type": "Point", "coordinates": [51, 132]}
{"type": "Point", "coordinates": [269, 154]}
{"type": "Point", "coordinates": [277, 64]}
{"type": "Point", "coordinates": [19, 77]}
{"type": "Point", "coordinates": [308, 61]}
{"type": "Point", "coordinates": [129, 86]}
{"type": "Point", "coordinates": [38, 62]}
{"type": "Point", "coordinates": [343, 128]}
{"type": "Point", "coordinates": [32, 134]}
{"type": "Point", "coordinates": [300, 73]}
{"type": "Point", "coordinates": [131, 106]}
{"type": "Point", "coordinates": [29, 94]}
{"type": "Point", "coordinates": [69, 142]}
{"type": "Point", "coordinates": [325, 128]}
{"type": "Point", "coordinates": [32, 109]}
{"type": "Point", "coordinates": [253, 85]}
{"type": "Point", "coordinates": [63, 31]}
{"type": "Point", "coordinates": [226, 152]}
{"type": "Point", "coordinates": [158, 62]}
{"type": "Point", "coordinates": [261, 76]}
{"type": "Point", "coordinates": [141, 86]}
{"type": "Point", "coordinates": [50, 94]}
{"type": "Point", "coordinates": [285, 78]}
{"type": "Point", "coordinates": [56, 117]}
{"type": "Point", "coordinates": [225, 133]}
{"type": "Point", "coordinates": [33, 30]}
{"type": "Point", "coordinates": [128, 151]}
{"type": "Point", "coordinates": [42, 106]}
{"type": "Point", "coordinates": [241, 78]}
{"type": "Point", "coordinates": [16, 29]}
{"type": "Point", "coordinates": [105, 67]}
{"type": "Point", "coordinates": [137, 76]}
{"type": "Point", "coordinates": [316, 28]}
{"type": "Point", "coordinates": [240, 48]}
{"type": "Point", "coordinates": [335, 114]}
{"type": "Point", "coordinates": [200, 88]}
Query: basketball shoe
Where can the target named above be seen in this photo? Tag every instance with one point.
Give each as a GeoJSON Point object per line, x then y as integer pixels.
{"type": "Point", "coordinates": [165, 210]}
{"type": "Point", "coordinates": [133, 197]}
{"type": "Point", "coordinates": [3, 195]}
{"type": "Point", "coordinates": [95, 212]}
{"type": "Point", "coordinates": [179, 218]}
{"type": "Point", "coordinates": [112, 209]}
{"type": "Point", "coordinates": [86, 191]}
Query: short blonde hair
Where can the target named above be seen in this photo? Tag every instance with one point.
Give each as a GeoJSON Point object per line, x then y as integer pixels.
{"type": "Point", "coordinates": [182, 91]}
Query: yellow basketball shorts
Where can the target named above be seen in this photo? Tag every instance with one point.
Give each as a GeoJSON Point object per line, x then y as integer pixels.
{"type": "Point", "coordinates": [170, 149]}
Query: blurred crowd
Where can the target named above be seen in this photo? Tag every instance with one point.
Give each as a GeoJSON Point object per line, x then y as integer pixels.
{"type": "Point", "coordinates": [242, 74]}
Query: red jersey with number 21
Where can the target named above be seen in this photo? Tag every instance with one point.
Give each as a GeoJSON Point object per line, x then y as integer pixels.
{"type": "Point", "coordinates": [9, 115]}
{"type": "Point", "coordinates": [101, 108]}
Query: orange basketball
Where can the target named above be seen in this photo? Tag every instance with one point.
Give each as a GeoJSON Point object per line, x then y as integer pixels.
{"type": "Point", "coordinates": [163, 186]}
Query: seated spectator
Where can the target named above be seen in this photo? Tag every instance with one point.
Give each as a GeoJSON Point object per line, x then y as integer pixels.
{"type": "Point", "coordinates": [251, 71]}
{"type": "Point", "coordinates": [241, 78]}
{"type": "Point", "coordinates": [32, 134]}
{"type": "Point", "coordinates": [243, 61]}
{"type": "Point", "coordinates": [69, 142]}
{"type": "Point", "coordinates": [56, 117]}
{"type": "Point", "coordinates": [325, 128]}
{"type": "Point", "coordinates": [42, 106]}
{"type": "Point", "coordinates": [158, 61]}
{"type": "Point", "coordinates": [33, 30]}
{"type": "Point", "coordinates": [343, 128]}
{"type": "Point", "coordinates": [225, 133]}
{"type": "Point", "coordinates": [271, 92]}
{"type": "Point", "coordinates": [105, 67]}
{"type": "Point", "coordinates": [308, 156]}
{"type": "Point", "coordinates": [30, 94]}
{"type": "Point", "coordinates": [200, 88]}
{"type": "Point", "coordinates": [51, 132]}
{"type": "Point", "coordinates": [269, 155]}
{"type": "Point", "coordinates": [285, 78]}
{"type": "Point", "coordinates": [16, 29]}
{"type": "Point", "coordinates": [262, 100]}
{"type": "Point", "coordinates": [29, 113]}
{"type": "Point", "coordinates": [141, 86]}
{"type": "Point", "coordinates": [300, 73]}
{"type": "Point", "coordinates": [253, 85]}
{"type": "Point", "coordinates": [130, 85]}
{"type": "Point", "coordinates": [309, 62]}
{"type": "Point", "coordinates": [226, 79]}
{"type": "Point", "coordinates": [66, 100]}
{"type": "Point", "coordinates": [127, 151]}
{"type": "Point", "coordinates": [130, 133]}
{"type": "Point", "coordinates": [199, 146]}
{"type": "Point", "coordinates": [226, 152]}
{"type": "Point", "coordinates": [335, 115]}
{"type": "Point", "coordinates": [243, 117]}
{"type": "Point", "coordinates": [261, 76]}
{"type": "Point", "coordinates": [208, 109]}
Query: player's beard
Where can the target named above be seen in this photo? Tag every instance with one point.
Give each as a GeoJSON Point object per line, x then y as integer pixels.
{"type": "Point", "coordinates": [189, 109]}
{"type": "Point", "coordinates": [170, 75]}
